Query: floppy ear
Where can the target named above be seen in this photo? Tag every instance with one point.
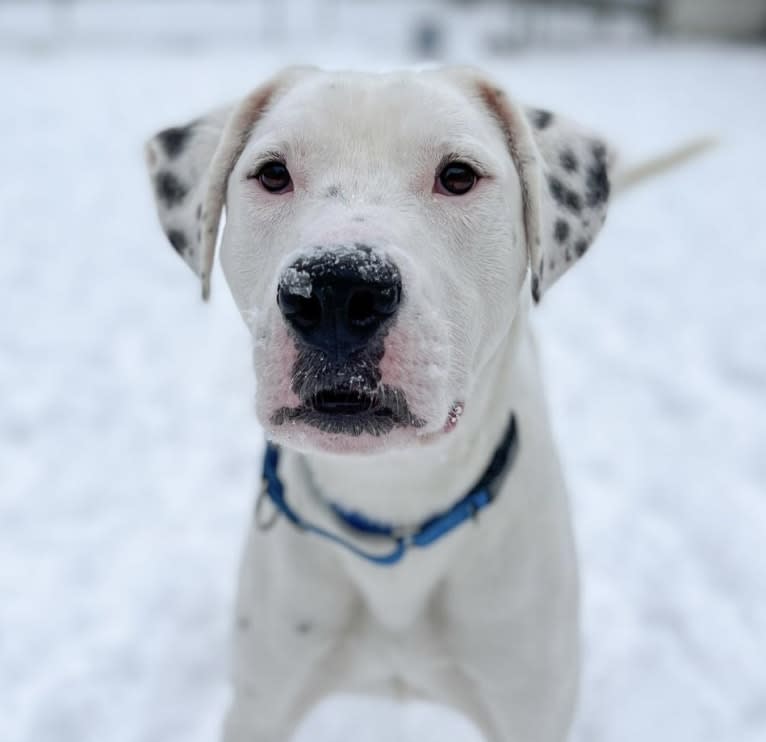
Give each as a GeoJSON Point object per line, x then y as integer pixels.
{"type": "Point", "coordinates": [179, 161]}
{"type": "Point", "coordinates": [564, 174]}
{"type": "Point", "coordinates": [190, 166]}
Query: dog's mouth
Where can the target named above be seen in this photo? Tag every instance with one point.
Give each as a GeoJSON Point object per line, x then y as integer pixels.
{"type": "Point", "coordinates": [347, 402]}
{"type": "Point", "coordinates": [346, 411]}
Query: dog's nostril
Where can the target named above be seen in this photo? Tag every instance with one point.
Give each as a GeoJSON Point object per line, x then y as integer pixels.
{"type": "Point", "coordinates": [368, 306]}
{"type": "Point", "coordinates": [387, 299]}
{"type": "Point", "coordinates": [304, 311]}
{"type": "Point", "coordinates": [361, 309]}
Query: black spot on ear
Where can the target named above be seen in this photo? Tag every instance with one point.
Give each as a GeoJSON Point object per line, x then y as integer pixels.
{"type": "Point", "coordinates": [597, 178]}
{"type": "Point", "coordinates": [174, 140]}
{"type": "Point", "coordinates": [535, 288]}
{"type": "Point", "coordinates": [580, 247]}
{"type": "Point", "coordinates": [573, 201]}
{"type": "Point", "coordinates": [557, 189]}
{"type": "Point", "coordinates": [561, 231]}
{"type": "Point", "coordinates": [542, 119]}
{"type": "Point", "coordinates": [563, 195]}
{"type": "Point", "coordinates": [170, 190]}
{"type": "Point", "coordinates": [304, 627]}
{"type": "Point", "coordinates": [178, 240]}
{"type": "Point", "coordinates": [568, 161]}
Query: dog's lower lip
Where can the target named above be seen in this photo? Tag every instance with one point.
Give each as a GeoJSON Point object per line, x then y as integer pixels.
{"type": "Point", "coordinates": [343, 410]}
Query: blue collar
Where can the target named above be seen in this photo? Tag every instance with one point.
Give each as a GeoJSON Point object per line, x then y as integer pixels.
{"type": "Point", "coordinates": [431, 530]}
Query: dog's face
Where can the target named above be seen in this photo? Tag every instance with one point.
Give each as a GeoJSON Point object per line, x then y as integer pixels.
{"type": "Point", "coordinates": [379, 231]}
{"type": "Point", "coordinates": [363, 248]}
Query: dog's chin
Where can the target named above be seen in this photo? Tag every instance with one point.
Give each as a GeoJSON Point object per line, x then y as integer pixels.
{"type": "Point", "coordinates": [308, 438]}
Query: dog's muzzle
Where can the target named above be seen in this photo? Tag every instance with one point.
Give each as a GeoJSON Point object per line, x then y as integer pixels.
{"type": "Point", "coordinates": [339, 303]}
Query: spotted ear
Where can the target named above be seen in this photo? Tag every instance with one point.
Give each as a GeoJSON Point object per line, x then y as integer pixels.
{"type": "Point", "coordinates": [179, 160]}
{"type": "Point", "coordinates": [190, 166]}
{"type": "Point", "coordinates": [564, 174]}
{"type": "Point", "coordinates": [574, 195]}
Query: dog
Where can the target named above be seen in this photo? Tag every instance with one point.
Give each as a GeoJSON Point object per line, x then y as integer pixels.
{"type": "Point", "coordinates": [386, 239]}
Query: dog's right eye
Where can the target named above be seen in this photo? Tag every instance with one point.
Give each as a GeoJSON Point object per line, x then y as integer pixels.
{"type": "Point", "coordinates": [456, 179]}
{"type": "Point", "coordinates": [275, 177]}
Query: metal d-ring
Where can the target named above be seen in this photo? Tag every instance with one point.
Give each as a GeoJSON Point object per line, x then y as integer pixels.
{"type": "Point", "coordinates": [262, 522]}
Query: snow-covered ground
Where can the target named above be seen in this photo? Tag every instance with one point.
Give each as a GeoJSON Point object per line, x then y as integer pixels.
{"type": "Point", "coordinates": [129, 454]}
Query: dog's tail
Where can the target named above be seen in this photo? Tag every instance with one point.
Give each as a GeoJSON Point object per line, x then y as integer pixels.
{"type": "Point", "coordinates": [626, 177]}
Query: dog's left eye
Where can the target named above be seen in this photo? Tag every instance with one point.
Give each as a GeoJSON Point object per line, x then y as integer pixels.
{"type": "Point", "coordinates": [455, 179]}
{"type": "Point", "coordinates": [274, 177]}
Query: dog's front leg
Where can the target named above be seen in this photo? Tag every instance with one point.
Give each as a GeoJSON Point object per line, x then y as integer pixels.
{"type": "Point", "coordinates": [519, 695]}
{"type": "Point", "coordinates": [519, 653]}
{"type": "Point", "coordinates": [295, 615]}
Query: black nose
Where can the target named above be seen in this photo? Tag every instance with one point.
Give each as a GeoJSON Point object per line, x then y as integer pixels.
{"type": "Point", "coordinates": [338, 300]}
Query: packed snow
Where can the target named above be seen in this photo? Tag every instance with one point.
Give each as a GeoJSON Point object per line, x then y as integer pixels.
{"type": "Point", "coordinates": [129, 451]}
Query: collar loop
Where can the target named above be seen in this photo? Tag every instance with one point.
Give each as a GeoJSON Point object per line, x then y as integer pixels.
{"type": "Point", "coordinates": [398, 540]}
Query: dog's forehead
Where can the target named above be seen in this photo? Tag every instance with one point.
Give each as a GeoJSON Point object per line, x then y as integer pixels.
{"type": "Point", "coordinates": [405, 110]}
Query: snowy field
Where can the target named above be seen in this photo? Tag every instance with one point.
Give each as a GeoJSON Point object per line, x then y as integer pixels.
{"type": "Point", "coordinates": [129, 452]}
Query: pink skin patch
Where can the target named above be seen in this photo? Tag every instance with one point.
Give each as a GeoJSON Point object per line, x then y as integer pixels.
{"type": "Point", "coordinates": [285, 358]}
{"type": "Point", "coordinates": [408, 364]}
{"type": "Point", "coordinates": [395, 353]}
{"type": "Point", "coordinates": [275, 380]}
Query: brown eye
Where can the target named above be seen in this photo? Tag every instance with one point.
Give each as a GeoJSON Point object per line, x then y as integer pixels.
{"type": "Point", "coordinates": [275, 177]}
{"type": "Point", "coordinates": [456, 179]}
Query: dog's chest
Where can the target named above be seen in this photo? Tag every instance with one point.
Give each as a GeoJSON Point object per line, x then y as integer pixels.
{"type": "Point", "coordinates": [401, 660]}
{"type": "Point", "coordinates": [400, 596]}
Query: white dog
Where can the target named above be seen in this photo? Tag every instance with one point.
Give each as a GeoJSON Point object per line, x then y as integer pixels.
{"type": "Point", "coordinates": [385, 238]}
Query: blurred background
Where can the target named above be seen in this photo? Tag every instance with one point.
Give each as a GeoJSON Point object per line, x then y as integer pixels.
{"type": "Point", "coordinates": [128, 447]}
{"type": "Point", "coordinates": [416, 28]}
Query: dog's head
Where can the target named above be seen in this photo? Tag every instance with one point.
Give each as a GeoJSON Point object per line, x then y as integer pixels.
{"type": "Point", "coordinates": [380, 231]}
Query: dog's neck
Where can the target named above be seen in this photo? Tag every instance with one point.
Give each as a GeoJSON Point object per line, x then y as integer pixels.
{"type": "Point", "coordinates": [404, 487]}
